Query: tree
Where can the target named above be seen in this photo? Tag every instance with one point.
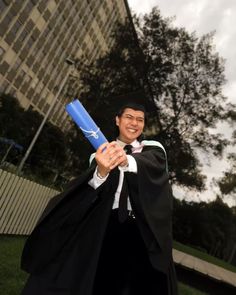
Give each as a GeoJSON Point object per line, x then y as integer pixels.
{"type": "Point", "coordinates": [11, 116]}
{"type": "Point", "coordinates": [11, 113]}
{"type": "Point", "coordinates": [227, 183]}
{"type": "Point", "coordinates": [180, 73]}
{"type": "Point", "coordinates": [206, 226]}
{"type": "Point", "coordinates": [49, 155]}
{"type": "Point", "coordinates": [78, 149]}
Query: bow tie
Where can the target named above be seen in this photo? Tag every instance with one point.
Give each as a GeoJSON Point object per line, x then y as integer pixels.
{"type": "Point", "coordinates": [128, 149]}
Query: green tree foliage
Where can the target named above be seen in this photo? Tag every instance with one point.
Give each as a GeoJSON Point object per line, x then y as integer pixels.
{"type": "Point", "coordinates": [181, 73]}
{"type": "Point", "coordinates": [49, 155]}
{"type": "Point", "coordinates": [79, 150]}
{"type": "Point", "coordinates": [207, 226]}
{"type": "Point", "coordinates": [11, 113]}
{"type": "Point", "coordinates": [227, 183]}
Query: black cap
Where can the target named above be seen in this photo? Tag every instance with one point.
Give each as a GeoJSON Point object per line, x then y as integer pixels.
{"type": "Point", "coordinates": [136, 98]}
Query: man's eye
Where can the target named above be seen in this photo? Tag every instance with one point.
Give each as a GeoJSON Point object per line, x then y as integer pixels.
{"type": "Point", "coordinates": [128, 117]}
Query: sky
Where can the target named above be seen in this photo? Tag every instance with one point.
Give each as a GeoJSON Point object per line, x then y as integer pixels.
{"type": "Point", "coordinates": [204, 16]}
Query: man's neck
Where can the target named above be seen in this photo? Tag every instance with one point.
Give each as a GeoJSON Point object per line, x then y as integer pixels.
{"type": "Point", "coordinates": [122, 143]}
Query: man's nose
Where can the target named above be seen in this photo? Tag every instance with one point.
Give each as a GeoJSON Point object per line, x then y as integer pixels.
{"type": "Point", "coordinates": [134, 121]}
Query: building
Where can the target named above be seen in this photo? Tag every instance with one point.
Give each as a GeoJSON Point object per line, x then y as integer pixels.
{"type": "Point", "coordinates": [36, 37]}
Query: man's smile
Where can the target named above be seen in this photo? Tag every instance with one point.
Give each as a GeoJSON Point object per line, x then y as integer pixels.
{"type": "Point", "coordinates": [132, 130]}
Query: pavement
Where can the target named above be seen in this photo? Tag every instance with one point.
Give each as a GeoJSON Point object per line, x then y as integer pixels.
{"type": "Point", "coordinates": [209, 269]}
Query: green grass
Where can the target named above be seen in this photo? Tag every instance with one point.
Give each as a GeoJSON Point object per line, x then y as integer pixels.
{"type": "Point", "coordinates": [186, 290]}
{"type": "Point", "coordinates": [12, 279]}
{"type": "Point", "coordinates": [204, 256]}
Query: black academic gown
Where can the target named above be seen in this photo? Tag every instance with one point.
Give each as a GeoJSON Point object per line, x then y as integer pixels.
{"type": "Point", "coordinates": [62, 252]}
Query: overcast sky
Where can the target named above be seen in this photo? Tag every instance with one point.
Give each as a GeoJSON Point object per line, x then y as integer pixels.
{"type": "Point", "coordinates": [204, 16]}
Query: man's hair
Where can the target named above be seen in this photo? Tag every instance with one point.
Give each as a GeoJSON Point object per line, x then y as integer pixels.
{"type": "Point", "coordinates": [131, 105]}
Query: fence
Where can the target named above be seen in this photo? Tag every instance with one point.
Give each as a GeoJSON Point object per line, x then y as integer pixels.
{"type": "Point", "coordinates": [21, 203]}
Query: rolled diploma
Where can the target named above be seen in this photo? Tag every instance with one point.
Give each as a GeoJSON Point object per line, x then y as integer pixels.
{"type": "Point", "coordinates": [82, 118]}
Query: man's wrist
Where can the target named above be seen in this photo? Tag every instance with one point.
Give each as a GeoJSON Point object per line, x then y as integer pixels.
{"type": "Point", "coordinates": [131, 165]}
{"type": "Point", "coordinates": [124, 164]}
{"type": "Point", "coordinates": [101, 176]}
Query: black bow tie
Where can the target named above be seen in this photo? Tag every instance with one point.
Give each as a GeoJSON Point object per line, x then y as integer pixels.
{"type": "Point", "coordinates": [128, 149]}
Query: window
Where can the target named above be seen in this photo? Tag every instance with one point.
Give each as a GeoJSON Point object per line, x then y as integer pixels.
{"type": "Point", "coordinates": [43, 2]}
{"type": "Point", "coordinates": [35, 82]}
{"type": "Point", "coordinates": [83, 46]}
{"type": "Point", "coordinates": [2, 51]}
{"type": "Point", "coordinates": [16, 27]}
{"type": "Point", "coordinates": [42, 5]}
{"type": "Point", "coordinates": [40, 56]}
{"type": "Point", "coordinates": [2, 6]}
{"type": "Point", "coordinates": [46, 107]}
{"type": "Point", "coordinates": [47, 14]}
{"type": "Point", "coordinates": [22, 74]}
{"type": "Point", "coordinates": [29, 43]}
{"type": "Point", "coordinates": [106, 9]}
{"type": "Point", "coordinates": [35, 51]}
{"type": "Point", "coordinates": [69, 5]}
{"type": "Point", "coordinates": [23, 36]}
{"type": "Point", "coordinates": [46, 32]}
{"type": "Point", "coordinates": [29, 6]}
{"type": "Point", "coordinates": [40, 88]}
{"type": "Point", "coordinates": [17, 64]}
{"type": "Point", "coordinates": [56, 16]}
{"type": "Point", "coordinates": [28, 79]}
{"type": "Point", "coordinates": [45, 95]}
{"type": "Point", "coordinates": [8, 19]}
{"type": "Point", "coordinates": [4, 86]}
{"type": "Point", "coordinates": [12, 91]}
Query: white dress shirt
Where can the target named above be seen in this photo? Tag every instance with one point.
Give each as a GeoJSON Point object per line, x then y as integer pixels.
{"type": "Point", "coordinates": [95, 182]}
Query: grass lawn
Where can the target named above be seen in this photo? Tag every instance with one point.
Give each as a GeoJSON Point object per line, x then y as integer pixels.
{"type": "Point", "coordinates": [204, 256]}
{"type": "Point", "coordinates": [186, 290]}
{"type": "Point", "coordinates": [12, 279]}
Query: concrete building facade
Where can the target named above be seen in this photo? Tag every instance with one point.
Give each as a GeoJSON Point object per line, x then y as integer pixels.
{"type": "Point", "coordinates": [36, 36]}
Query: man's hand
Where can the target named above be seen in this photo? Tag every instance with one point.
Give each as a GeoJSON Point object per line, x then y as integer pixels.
{"type": "Point", "coordinates": [109, 156]}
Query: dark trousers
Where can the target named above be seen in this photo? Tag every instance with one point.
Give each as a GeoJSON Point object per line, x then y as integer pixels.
{"type": "Point", "coordinates": [124, 267]}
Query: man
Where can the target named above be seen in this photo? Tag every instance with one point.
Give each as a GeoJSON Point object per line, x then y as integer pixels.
{"type": "Point", "coordinates": [93, 240]}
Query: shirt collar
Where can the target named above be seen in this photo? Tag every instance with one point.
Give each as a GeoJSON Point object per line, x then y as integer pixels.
{"type": "Point", "coordinates": [134, 144]}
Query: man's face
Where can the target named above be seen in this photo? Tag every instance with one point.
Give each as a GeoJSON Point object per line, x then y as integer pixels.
{"type": "Point", "coordinates": [131, 124]}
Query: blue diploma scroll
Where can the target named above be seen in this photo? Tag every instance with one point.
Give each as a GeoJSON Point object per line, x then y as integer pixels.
{"type": "Point", "coordinates": [82, 118]}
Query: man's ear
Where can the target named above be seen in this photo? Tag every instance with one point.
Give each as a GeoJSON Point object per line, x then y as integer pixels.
{"type": "Point", "coordinates": [117, 121]}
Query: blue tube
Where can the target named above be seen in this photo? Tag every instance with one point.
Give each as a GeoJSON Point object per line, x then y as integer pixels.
{"type": "Point", "coordinates": [82, 118]}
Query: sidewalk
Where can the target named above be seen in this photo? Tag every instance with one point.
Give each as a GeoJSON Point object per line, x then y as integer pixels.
{"type": "Point", "coordinates": [204, 267]}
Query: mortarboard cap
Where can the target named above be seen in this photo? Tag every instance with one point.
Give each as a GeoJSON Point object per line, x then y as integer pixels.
{"type": "Point", "coordinates": [136, 97]}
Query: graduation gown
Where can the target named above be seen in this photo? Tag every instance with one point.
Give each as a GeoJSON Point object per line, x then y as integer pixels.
{"type": "Point", "coordinates": [63, 250]}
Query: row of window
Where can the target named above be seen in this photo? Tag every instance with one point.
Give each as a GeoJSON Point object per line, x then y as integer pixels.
{"type": "Point", "coordinates": [53, 68]}
{"type": "Point", "coordinates": [50, 49]}
{"type": "Point", "coordinates": [3, 6]}
{"type": "Point", "coordinates": [57, 117]}
{"type": "Point", "coordinates": [2, 51]}
{"type": "Point", "coordinates": [29, 43]}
